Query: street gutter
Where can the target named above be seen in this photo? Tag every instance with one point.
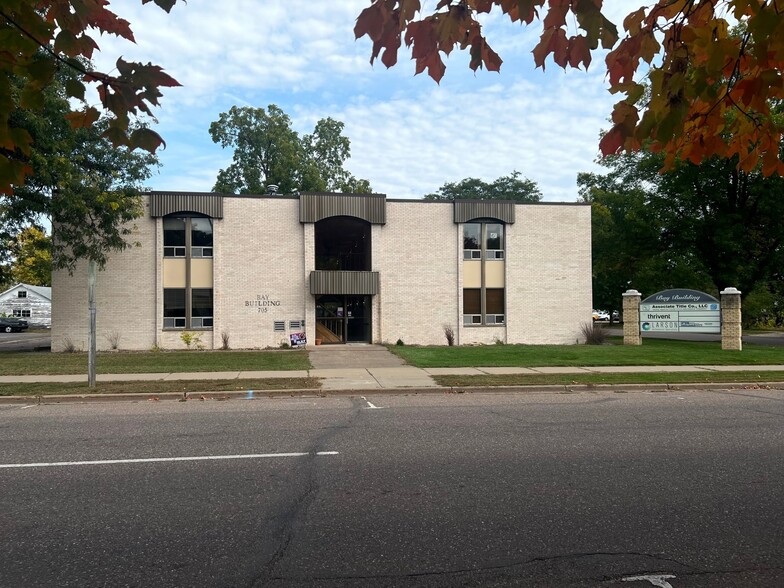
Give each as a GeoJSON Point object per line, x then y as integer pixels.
{"type": "Point", "coordinates": [350, 392]}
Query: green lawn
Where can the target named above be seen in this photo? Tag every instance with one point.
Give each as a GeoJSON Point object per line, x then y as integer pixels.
{"type": "Point", "coordinates": [36, 363]}
{"type": "Point", "coordinates": [651, 352]}
{"type": "Point", "coordinates": [596, 379]}
{"type": "Point", "coordinates": [192, 387]}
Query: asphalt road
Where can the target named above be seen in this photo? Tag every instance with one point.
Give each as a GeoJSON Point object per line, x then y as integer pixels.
{"type": "Point", "coordinates": [26, 341]}
{"type": "Point", "coordinates": [676, 489]}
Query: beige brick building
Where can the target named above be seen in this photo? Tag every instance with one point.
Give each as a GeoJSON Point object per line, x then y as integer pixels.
{"type": "Point", "coordinates": [254, 270]}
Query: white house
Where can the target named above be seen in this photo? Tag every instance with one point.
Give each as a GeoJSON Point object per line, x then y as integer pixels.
{"type": "Point", "coordinates": [32, 303]}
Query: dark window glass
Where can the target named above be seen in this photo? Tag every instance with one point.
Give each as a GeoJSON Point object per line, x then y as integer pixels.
{"type": "Point", "coordinates": [472, 301]}
{"type": "Point", "coordinates": [494, 300]}
{"type": "Point", "coordinates": [201, 232]}
{"type": "Point", "coordinates": [494, 236]}
{"type": "Point", "coordinates": [173, 231]}
{"type": "Point", "coordinates": [201, 302]}
{"type": "Point", "coordinates": [22, 294]}
{"type": "Point", "coordinates": [343, 243]}
{"type": "Point", "coordinates": [174, 302]}
{"type": "Point", "coordinates": [472, 236]}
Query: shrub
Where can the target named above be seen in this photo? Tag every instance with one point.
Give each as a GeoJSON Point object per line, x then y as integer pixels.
{"type": "Point", "coordinates": [191, 340]}
{"type": "Point", "coordinates": [593, 334]}
{"type": "Point", "coordinates": [449, 333]}
{"type": "Point", "coordinates": [68, 345]}
{"type": "Point", "coordinates": [225, 341]}
{"type": "Point", "coordinates": [399, 343]}
{"type": "Point", "coordinates": [113, 339]}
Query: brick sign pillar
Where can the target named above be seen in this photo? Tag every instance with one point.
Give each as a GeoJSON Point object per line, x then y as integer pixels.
{"type": "Point", "coordinates": [631, 318]}
{"type": "Point", "coordinates": [731, 331]}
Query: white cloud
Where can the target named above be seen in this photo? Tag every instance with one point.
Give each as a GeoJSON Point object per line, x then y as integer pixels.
{"type": "Point", "coordinates": [408, 135]}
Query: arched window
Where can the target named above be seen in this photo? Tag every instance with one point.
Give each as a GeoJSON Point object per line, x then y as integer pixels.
{"type": "Point", "coordinates": [343, 244]}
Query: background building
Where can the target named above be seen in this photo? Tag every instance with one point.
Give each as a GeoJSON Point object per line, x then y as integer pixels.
{"type": "Point", "coordinates": [341, 268]}
{"type": "Point", "coordinates": [32, 303]}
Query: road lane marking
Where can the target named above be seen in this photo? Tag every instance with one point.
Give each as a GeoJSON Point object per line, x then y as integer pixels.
{"type": "Point", "coordinates": [659, 580]}
{"type": "Point", "coordinates": [159, 459]}
{"type": "Point", "coordinates": [370, 404]}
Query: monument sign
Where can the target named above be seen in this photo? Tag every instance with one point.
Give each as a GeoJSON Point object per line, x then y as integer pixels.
{"type": "Point", "coordinates": [680, 311]}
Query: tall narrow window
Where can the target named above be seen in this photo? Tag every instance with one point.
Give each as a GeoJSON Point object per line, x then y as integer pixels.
{"type": "Point", "coordinates": [174, 308]}
{"type": "Point", "coordinates": [201, 237]}
{"type": "Point", "coordinates": [472, 241]}
{"type": "Point", "coordinates": [483, 273]}
{"type": "Point", "coordinates": [187, 272]}
{"type": "Point", "coordinates": [174, 236]}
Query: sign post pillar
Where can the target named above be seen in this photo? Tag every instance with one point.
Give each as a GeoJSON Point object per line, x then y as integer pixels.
{"type": "Point", "coordinates": [631, 318]}
{"type": "Point", "coordinates": [731, 331]}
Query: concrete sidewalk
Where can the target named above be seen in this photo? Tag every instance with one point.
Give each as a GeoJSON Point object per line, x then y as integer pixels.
{"type": "Point", "coordinates": [402, 376]}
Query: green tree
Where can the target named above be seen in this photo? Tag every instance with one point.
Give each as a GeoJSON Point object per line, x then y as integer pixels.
{"type": "Point", "coordinates": [87, 188]}
{"type": "Point", "coordinates": [267, 151]}
{"type": "Point", "coordinates": [706, 226]}
{"type": "Point", "coordinates": [32, 257]}
{"type": "Point", "coordinates": [511, 187]}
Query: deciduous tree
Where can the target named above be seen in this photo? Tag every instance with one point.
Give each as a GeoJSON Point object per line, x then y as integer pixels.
{"type": "Point", "coordinates": [511, 187]}
{"type": "Point", "coordinates": [712, 92]}
{"type": "Point", "coordinates": [31, 257]}
{"type": "Point", "coordinates": [86, 187]}
{"type": "Point", "coordinates": [39, 36]}
{"type": "Point", "coordinates": [706, 226]}
{"type": "Point", "coordinates": [268, 151]}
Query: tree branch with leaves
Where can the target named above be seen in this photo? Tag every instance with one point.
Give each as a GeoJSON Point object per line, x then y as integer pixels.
{"type": "Point", "coordinates": [712, 93]}
{"type": "Point", "coordinates": [38, 37]}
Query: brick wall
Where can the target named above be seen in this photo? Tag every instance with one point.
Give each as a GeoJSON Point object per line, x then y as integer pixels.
{"type": "Point", "coordinates": [548, 271]}
{"type": "Point", "coordinates": [125, 297]}
{"type": "Point", "coordinates": [260, 252]}
{"type": "Point", "coordinates": [417, 257]}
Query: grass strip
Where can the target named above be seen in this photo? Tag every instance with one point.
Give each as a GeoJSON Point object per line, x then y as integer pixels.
{"type": "Point", "coordinates": [589, 379]}
{"type": "Point", "coordinates": [651, 352]}
{"type": "Point", "coordinates": [139, 362]}
{"type": "Point", "coordinates": [159, 387]}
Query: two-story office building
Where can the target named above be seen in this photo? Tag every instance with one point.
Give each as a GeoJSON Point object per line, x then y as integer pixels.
{"type": "Point", "coordinates": [251, 271]}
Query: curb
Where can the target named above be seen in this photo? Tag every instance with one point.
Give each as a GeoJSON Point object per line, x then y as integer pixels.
{"type": "Point", "coordinates": [320, 393]}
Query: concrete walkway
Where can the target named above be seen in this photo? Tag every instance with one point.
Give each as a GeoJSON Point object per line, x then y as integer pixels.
{"type": "Point", "coordinates": [401, 376]}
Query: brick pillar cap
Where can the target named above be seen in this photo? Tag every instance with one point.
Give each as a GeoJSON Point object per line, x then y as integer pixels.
{"type": "Point", "coordinates": [631, 293]}
{"type": "Point", "coordinates": [729, 290]}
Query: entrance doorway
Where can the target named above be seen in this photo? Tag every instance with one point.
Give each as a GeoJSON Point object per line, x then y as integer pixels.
{"type": "Point", "coordinates": [343, 319]}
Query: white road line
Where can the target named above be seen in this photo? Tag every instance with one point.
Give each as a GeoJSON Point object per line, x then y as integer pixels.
{"type": "Point", "coordinates": [157, 460]}
{"type": "Point", "coordinates": [370, 404]}
{"type": "Point", "coordinates": [659, 580]}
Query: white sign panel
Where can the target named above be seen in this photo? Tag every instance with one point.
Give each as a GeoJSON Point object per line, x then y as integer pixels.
{"type": "Point", "coordinates": [680, 311]}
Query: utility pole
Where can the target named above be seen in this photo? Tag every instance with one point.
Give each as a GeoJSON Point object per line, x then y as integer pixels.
{"type": "Point", "coordinates": [91, 331]}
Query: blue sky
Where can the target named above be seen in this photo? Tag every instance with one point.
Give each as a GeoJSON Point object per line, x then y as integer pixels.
{"type": "Point", "coordinates": [408, 135]}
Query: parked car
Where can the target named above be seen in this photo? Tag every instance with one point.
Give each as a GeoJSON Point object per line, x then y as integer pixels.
{"type": "Point", "coordinates": [601, 316]}
{"type": "Point", "coordinates": [10, 324]}
{"type": "Point", "coordinates": [616, 316]}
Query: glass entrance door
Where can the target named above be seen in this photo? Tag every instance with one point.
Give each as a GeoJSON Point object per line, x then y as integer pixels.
{"type": "Point", "coordinates": [343, 319]}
